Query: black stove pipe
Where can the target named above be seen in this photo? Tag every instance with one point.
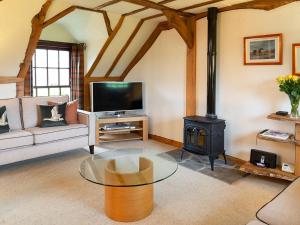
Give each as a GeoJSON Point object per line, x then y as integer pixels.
{"type": "Point", "coordinates": [211, 62]}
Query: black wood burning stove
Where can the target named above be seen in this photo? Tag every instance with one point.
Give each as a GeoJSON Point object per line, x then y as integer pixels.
{"type": "Point", "coordinates": [205, 135]}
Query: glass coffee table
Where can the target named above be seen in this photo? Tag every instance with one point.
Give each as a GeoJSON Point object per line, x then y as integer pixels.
{"type": "Point", "coordinates": [128, 176]}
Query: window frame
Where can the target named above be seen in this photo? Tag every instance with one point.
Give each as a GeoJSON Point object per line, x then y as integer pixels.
{"type": "Point", "coordinates": [57, 46]}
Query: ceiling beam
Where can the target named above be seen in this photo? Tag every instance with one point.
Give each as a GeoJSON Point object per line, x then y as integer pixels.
{"type": "Point", "coordinates": [124, 48]}
{"type": "Point", "coordinates": [145, 8]}
{"type": "Point", "coordinates": [186, 8]}
{"type": "Point", "coordinates": [182, 25]}
{"type": "Point", "coordinates": [153, 5]}
{"type": "Point", "coordinates": [37, 27]}
{"type": "Point", "coordinates": [146, 46]}
{"type": "Point", "coordinates": [107, 4]}
{"type": "Point", "coordinates": [107, 23]}
{"type": "Point", "coordinates": [68, 11]}
{"type": "Point", "coordinates": [105, 46]}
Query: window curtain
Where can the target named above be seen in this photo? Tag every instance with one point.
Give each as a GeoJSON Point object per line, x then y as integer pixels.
{"type": "Point", "coordinates": [77, 73]}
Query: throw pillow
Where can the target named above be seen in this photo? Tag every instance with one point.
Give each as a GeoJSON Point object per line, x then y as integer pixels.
{"type": "Point", "coordinates": [71, 111]}
{"type": "Point", "coordinates": [53, 116]}
{"type": "Point", "coordinates": [4, 127]}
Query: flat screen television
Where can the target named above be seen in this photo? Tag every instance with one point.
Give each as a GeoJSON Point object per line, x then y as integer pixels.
{"type": "Point", "coordinates": [116, 96]}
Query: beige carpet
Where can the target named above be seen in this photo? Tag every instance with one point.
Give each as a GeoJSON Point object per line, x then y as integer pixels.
{"type": "Point", "coordinates": [51, 192]}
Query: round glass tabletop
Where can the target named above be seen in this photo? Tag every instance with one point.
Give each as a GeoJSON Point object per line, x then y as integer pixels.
{"type": "Point", "coordinates": [128, 167]}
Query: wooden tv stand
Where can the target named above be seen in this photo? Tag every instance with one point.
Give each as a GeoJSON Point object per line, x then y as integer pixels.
{"type": "Point", "coordinates": [140, 132]}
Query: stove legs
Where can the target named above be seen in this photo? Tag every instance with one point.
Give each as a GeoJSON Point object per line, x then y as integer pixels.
{"type": "Point", "coordinates": [212, 160]}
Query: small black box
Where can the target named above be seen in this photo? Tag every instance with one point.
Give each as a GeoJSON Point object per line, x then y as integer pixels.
{"type": "Point", "coordinates": [263, 159]}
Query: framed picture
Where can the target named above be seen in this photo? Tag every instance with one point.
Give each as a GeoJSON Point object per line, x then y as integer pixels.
{"type": "Point", "coordinates": [263, 50]}
{"type": "Point", "coordinates": [296, 59]}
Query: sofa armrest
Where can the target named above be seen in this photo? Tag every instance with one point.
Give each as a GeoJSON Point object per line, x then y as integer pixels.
{"type": "Point", "coordinates": [89, 119]}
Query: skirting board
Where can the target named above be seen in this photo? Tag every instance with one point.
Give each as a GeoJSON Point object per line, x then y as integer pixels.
{"type": "Point", "coordinates": [166, 140]}
{"type": "Point", "coordinates": [178, 144]}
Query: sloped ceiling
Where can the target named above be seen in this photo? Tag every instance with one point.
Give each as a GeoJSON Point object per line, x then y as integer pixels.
{"type": "Point", "coordinates": [16, 15]}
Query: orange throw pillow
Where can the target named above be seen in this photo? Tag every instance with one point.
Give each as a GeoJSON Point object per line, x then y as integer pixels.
{"type": "Point", "coordinates": [71, 111]}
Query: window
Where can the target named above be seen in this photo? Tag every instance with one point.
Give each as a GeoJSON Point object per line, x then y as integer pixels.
{"type": "Point", "coordinates": [50, 70]}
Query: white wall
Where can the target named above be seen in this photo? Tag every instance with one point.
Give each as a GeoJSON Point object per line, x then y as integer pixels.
{"type": "Point", "coordinates": [163, 71]}
{"type": "Point", "coordinates": [57, 32]}
{"type": "Point", "coordinates": [245, 94]}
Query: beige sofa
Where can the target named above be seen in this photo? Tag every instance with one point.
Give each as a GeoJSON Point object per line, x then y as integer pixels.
{"type": "Point", "coordinates": [26, 140]}
{"type": "Point", "coordinates": [283, 209]}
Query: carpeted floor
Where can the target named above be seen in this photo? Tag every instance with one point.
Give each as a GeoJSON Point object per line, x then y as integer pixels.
{"type": "Point", "coordinates": [51, 192]}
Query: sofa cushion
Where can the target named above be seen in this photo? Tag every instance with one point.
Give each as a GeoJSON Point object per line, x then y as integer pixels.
{"type": "Point", "coordinates": [13, 113]}
{"type": "Point", "coordinates": [49, 134]}
{"type": "Point", "coordinates": [4, 127]}
{"type": "Point", "coordinates": [53, 116]}
{"type": "Point", "coordinates": [30, 109]}
{"type": "Point", "coordinates": [15, 139]}
{"type": "Point", "coordinates": [283, 209]}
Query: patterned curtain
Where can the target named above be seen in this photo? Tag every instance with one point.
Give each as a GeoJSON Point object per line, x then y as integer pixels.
{"type": "Point", "coordinates": [77, 73]}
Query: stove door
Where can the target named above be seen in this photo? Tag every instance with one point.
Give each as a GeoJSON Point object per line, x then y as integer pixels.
{"type": "Point", "coordinates": [196, 139]}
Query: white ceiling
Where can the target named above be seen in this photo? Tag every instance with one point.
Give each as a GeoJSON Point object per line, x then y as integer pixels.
{"type": "Point", "coordinates": [124, 7]}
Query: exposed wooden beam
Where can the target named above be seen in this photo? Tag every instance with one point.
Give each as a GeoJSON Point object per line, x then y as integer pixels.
{"type": "Point", "coordinates": [105, 46]}
{"type": "Point", "coordinates": [190, 108]}
{"type": "Point", "coordinates": [153, 5]}
{"type": "Point", "coordinates": [186, 8]}
{"type": "Point", "coordinates": [182, 25]}
{"type": "Point", "coordinates": [8, 80]}
{"type": "Point", "coordinates": [107, 4]}
{"type": "Point", "coordinates": [145, 8]}
{"type": "Point", "coordinates": [124, 48]}
{"type": "Point", "coordinates": [37, 27]}
{"type": "Point", "coordinates": [59, 16]}
{"type": "Point", "coordinates": [147, 45]}
{"type": "Point", "coordinates": [68, 11]}
{"type": "Point", "coordinates": [107, 23]}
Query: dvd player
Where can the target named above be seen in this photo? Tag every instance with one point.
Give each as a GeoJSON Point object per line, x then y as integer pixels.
{"type": "Point", "coordinates": [117, 127]}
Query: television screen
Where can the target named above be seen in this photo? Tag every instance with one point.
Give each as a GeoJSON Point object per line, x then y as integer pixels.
{"type": "Point", "coordinates": [117, 96]}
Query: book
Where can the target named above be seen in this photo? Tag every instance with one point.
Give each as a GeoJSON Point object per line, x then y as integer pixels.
{"type": "Point", "coordinates": [275, 134]}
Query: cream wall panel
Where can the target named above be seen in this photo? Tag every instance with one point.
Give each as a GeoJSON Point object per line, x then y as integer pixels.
{"type": "Point", "coordinates": [89, 28]}
{"type": "Point", "coordinates": [163, 71]}
{"type": "Point", "coordinates": [120, 39]}
{"type": "Point", "coordinates": [15, 26]}
{"type": "Point", "coordinates": [141, 37]}
{"type": "Point", "coordinates": [57, 32]}
{"type": "Point", "coordinates": [8, 91]}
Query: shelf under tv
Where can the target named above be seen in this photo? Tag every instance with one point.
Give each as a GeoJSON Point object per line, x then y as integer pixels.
{"type": "Point", "coordinates": [139, 132]}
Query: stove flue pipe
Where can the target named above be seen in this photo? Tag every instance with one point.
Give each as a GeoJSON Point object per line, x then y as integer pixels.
{"type": "Point", "coordinates": [211, 62]}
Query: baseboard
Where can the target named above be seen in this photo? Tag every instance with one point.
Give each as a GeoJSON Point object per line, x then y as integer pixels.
{"type": "Point", "coordinates": [167, 141]}
{"type": "Point", "coordinates": [178, 144]}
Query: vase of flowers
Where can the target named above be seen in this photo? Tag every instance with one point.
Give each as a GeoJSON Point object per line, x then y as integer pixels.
{"type": "Point", "coordinates": [290, 85]}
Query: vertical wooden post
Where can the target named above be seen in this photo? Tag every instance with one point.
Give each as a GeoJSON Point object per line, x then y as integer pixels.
{"type": "Point", "coordinates": [191, 74]}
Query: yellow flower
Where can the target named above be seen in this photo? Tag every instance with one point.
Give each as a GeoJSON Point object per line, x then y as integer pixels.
{"type": "Point", "coordinates": [280, 79]}
{"type": "Point", "coordinates": [290, 77]}
{"type": "Point", "coordinates": [295, 78]}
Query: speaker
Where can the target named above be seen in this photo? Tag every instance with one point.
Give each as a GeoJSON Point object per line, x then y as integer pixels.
{"type": "Point", "coordinates": [263, 159]}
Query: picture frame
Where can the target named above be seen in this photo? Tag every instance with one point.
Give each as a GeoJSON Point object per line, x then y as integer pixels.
{"type": "Point", "coordinates": [296, 59]}
{"type": "Point", "coordinates": [263, 50]}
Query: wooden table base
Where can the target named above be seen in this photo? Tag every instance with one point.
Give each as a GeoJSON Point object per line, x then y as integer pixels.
{"type": "Point", "coordinates": [128, 204]}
